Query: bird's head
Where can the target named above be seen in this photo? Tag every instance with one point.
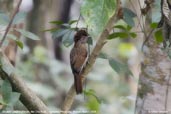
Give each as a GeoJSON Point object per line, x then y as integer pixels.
{"type": "Point", "coordinates": [81, 36]}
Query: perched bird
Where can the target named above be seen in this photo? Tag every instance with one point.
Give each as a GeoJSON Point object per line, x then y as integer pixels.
{"type": "Point", "coordinates": [78, 58]}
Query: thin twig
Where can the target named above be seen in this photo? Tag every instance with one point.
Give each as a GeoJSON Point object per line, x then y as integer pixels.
{"type": "Point", "coordinates": [10, 23]}
{"type": "Point", "coordinates": [147, 38]}
{"type": "Point", "coordinates": [100, 43]}
{"type": "Point", "coordinates": [78, 20]}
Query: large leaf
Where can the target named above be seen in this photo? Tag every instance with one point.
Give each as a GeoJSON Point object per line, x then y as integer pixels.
{"type": "Point", "coordinates": [96, 14]}
{"type": "Point", "coordinates": [119, 67]}
{"type": "Point", "coordinates": [28, 34]}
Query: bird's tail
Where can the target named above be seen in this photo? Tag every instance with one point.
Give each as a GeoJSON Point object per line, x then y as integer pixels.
{"type": "Point", "coordinates": [78, 83]}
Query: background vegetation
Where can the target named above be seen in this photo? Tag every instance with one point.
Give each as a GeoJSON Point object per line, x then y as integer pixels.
{"type": "Point", "coordinates": [43, 31]}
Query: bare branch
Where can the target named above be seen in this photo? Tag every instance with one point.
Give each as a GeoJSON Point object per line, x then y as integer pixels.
{"type": "Point", "coordinates": [100, 43]}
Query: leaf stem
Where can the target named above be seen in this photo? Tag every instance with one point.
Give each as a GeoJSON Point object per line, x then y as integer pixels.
{"type": "Point", "coordinates": [78, 20]}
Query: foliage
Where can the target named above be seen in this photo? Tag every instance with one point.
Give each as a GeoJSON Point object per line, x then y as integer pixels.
{"type": "Point", "coordinates": [66, 32]}
{"type": "Point", "coordinates": [117, 66]}
{"type": "Point", "coordinates": [9, 98]}
{"type": "Point", "coordinates": [124, 32]}
{"type": "Point", "coordinates": [96, 14]}
{"type": "Point", "coordinates": [19, 18]}
{"type": "Point", "coordinates": [5, 19]}
{"type": "Point", "coordinates": [158, 35]}
{"type": "Point", "coordinates": [93, 102]}
{"type": "Point", "coordinates": [128, 16]}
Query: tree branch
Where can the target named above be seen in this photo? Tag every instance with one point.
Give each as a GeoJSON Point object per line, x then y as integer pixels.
{"type": "Point", "coordinates": [28, 97]}
{"type": "Point", "coordinates": [100, 43]}
{"type": "Point", "coordinates": [10, 23]}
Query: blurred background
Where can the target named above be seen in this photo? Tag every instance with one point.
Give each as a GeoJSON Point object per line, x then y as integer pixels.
{"type": "Point", "coordinates": [44, 64]}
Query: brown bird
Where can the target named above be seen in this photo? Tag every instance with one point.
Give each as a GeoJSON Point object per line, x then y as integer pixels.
{"type": "Point", "coordinates": [78, 58]}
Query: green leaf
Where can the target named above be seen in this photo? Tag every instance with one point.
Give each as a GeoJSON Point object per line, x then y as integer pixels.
{"type": "Point", "coordinates": [7, 68]}
{"type": "Point", "coordinates": [14, 97]}
{"type": "Point", "coordinates": [133, 34]}
{"type": "Point", "coordinates": [57, 22]}
{"type": "Point", "coordinates": [19, 43]}
{"type": "Point", "coordinates": [72, 22]}
{"type": "Point", "coordinates": [11, 36]}
{"type": "Point", "coordinates": [91, 92]}
{"type": "Point", "coordinates": [93, 102]}
{"type": "Point", "coordinates": [68, 38]}
{"type": "Point", "coordinates": [153, 25]}
{"type": "Point", "coordinates": [121, 27]}
{"type": "Point", "coordinates": [103, 56]}
{"type": "Point", "coordinates": [19, 17]}
{"type": "Point", "coordinates": [51, 30]}
{"type": "Point", "coordinates": [66, 25]}
{"type": "Point", "coordinates": [120, 68]}
{"type": "Point", "coordinates": [59, 33]}
{"type": "Point", "coordinates": [28, 34]}
{"type": "Point", "coordinates": [4, 19]}
{"type": "Point", "coordinates": [6, 90]}
{"type": "Point", "coordinates": [2, 102]}
{"type": "Point", "coordinates": [96, 13]}
{"type": "Point", "coordinates": [9, 97]}
{"type": "Point", "coordinates": [158, 36]}
{"type": "Point", "coordinates": [118, 35]}
{"type": "Point", "coordinates": [90, 40]}
{"type": "Point", "coordinates": [128, 28]}
{"type": "Point", "coordinates": [128, 16]}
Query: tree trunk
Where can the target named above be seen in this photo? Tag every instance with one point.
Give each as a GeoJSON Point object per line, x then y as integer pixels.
{"type": "Point", "coordinates": [36, 22]}
{"type": "Point", "coordinates": [154, 93]}
{"type": "Point", "coordinates": [63, 16]}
